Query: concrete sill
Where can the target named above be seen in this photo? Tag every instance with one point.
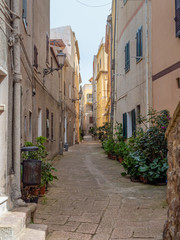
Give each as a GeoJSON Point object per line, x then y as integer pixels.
{"type": "Point", "coordinates": [3, 74]}
{"type": "Point", "coordinates": [2, 108]}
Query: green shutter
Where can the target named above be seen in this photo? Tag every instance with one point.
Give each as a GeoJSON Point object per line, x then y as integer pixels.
{"type": "Point", "coordinates": [133, 115]}
{"type": "Point", "coordinates": [125, 125]}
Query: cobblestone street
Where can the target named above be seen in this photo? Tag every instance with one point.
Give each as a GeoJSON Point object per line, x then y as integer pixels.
{"type": "Point", "coordinates": [92, 201]}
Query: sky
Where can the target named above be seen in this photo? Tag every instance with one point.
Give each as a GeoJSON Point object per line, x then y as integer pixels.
{"type": "Point", "coordinates": [88, 23]}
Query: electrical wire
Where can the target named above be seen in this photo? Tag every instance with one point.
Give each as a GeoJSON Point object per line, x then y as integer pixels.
{"type": "Point", "coordinates": [93, 6]}
{"type": "Point", "coordinates": [10, 9]}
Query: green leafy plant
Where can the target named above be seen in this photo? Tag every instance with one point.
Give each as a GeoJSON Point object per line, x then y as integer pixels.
{"type": "Point", "coordinates": [147, 155]}
{"type": "Point", "coordinates": [109, 146]}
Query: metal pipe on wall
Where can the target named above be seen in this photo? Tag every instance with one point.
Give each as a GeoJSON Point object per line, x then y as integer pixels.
{"type": "Point", "coordinates": [17, 78]}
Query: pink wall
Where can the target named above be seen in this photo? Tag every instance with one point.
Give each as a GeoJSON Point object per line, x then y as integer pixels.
{"type": "Point", "coordinates": [165, 53]}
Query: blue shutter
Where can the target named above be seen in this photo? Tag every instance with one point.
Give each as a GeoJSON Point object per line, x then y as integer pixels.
{"type": "Point", "coordinates": [125, 125]}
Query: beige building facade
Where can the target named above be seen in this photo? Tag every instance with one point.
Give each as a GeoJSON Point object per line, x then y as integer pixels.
{"type": "Point", "coordinates": [132, 74]}
{"type": "Point", "coordinates": [87, 108]}
{"type": "Point", "coordinates": [72, 82]}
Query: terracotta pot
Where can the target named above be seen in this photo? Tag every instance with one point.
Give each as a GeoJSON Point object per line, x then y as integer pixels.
{"type": "Point", "coordinates": [35, 191]}
{"type": "Point", "coordinates": [113, 157]}
{"type": "Point", "coordinates": [120, 159]}
{"type": "Point", "coordinates": [42, 190]}
{"type": "Point", "coordinates": [109, 155]}
{"type": "Point", "coordinates": [144, 180]}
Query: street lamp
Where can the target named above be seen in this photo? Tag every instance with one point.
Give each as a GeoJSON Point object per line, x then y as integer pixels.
{"type": "Point", "coordinates": [61, 59]}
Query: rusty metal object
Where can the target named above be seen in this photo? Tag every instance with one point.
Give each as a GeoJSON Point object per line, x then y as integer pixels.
{"type": "Point", "coordinates": [31, 172]}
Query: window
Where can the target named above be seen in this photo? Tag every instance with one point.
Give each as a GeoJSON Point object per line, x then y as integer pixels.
{"type": "Point", "coordinates": [30, 125]}
{"type": "Point", "coordinates": [25, 126]}
{"type": "Point", "coordinates": [138, 112]}
{"type": "Point", "coordinates": [133, 116]}
{"type": "Point", "coordinates": [177, 17]}
{"type": "Point", "coordinates": [69, 91]}
{"type": "Point", "coordinates": [47, 123]}
{"type": "Point", "coordinates": [39, 122]}
{"type": "Point", "coordinates": [124, 1]}
{"type": "Point", "coordinates": [129, 124]}
{"type": "Point", "coordinates": [139, 45]}
{"type": "Point", "coordinates": [127, 57]}
{"type": "Point", "coordinates": [24, 12]}
{"type": "Point", "coordinates": [51, 62]}
{"type": "Point", "coordinates": [125, 125]}
{"type": "Point", "coordinates": [52, 126]}
{"type": "Point", "coordinates": [90, 119]}
{"type": "Point", "coordinates": [47, 48]}
{"type": "Point", "coordinates": [35, 57]}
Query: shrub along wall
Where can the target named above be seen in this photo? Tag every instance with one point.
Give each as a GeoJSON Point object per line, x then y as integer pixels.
{"type": "Point", "coordinates": [172, 226]}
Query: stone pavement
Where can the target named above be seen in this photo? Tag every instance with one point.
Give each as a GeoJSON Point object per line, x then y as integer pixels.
{"type": "Point", "coordinates": [92, 201]}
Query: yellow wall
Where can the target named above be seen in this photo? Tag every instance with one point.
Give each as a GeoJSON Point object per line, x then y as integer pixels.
{"type": "Point", "coordinates": [102, 79]}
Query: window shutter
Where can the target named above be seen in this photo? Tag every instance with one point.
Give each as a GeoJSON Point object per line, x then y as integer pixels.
{"type": "Point", "coordinates": [128, 55]}
{"type": "Point", "coordinates": [137, 50]}
{"type": "Point", "coordinates": [24, 10]}
{"type": "Point", "coordinates": [177, 17]}
{"type": "Point", "coordinates": [125, 125]}
{"type": "Point", "coordinates": [133, 114]}
{"type": "Point", "coordinates": [47, 48]}
{"type": "Point", "coordinates": [35, 57]}
{"type": "Point", "coordinates": [141, 42]}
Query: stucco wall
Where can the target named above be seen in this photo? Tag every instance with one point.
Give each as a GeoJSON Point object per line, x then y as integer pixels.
{"type": "Point", "coordinates": [130, 87]}
{"type": "Point", "coordinates": [166, 51]}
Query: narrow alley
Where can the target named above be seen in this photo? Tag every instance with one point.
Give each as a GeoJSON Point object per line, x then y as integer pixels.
{"type": "Point", "coordinates": [92, 201]}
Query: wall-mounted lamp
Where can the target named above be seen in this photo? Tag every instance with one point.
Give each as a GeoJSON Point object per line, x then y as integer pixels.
{"type": "Point", "coordinates": [80, 96]}
{"type": "Point", "coordinates": [61, 59]}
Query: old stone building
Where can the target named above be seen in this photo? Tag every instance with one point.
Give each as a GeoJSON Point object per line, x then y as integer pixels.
{"type": "Point", "coordinates": [72, 80]}
{"type": "Point", "coordinates": [86, 107]}
{"type": "Point", "coordinates": [41, 108]}
{"type": "Point", "coordinates": [172, 230]}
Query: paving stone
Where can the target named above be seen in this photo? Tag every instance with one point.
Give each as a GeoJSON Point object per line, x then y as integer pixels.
{"type": "Point", "coordinates": [87, 228]}
{"type": "Point", "coordinates": [92, 201]}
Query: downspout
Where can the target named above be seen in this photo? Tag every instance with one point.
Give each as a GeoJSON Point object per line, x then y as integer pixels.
{"type": "Point", "coordinates": [17, 79]}
{"type": "Point", "coordinates": [147, 58]}
{"type": "Point", "coordinates": [114, 75]}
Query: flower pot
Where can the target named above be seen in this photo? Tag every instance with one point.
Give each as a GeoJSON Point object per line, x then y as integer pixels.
{"type": "Point", "coordinates": [34, 199]}
{"type": "Point", "coordinates": [113, 157]}
{"type": "Point", "coordinates": [35, 191]}
{"type": "Point", "coordinates": [120, 159]}
{"type": "Point", "coordinates": [109, 155]}
{"type": "Point", "coordinates": [42, 190]}
{"type": "Point", "coordinates": [143, 180]}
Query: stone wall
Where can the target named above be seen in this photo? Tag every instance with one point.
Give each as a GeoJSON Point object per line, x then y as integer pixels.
{"type": "Point", "coordinates": [172, 225]}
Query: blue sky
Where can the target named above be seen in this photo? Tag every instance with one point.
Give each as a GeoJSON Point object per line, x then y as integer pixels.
{"type": "Point", "coordinates": [88, 23]}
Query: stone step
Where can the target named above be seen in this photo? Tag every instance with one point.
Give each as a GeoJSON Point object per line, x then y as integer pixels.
{"type": "Point", "coordinates": [34, 232]}
{"type": "Point", "coordinates": [15, 225]}
{"type": "Point", "coordinates": [3, 204]}
{"type": "Point", "coordinates": [11, 225]}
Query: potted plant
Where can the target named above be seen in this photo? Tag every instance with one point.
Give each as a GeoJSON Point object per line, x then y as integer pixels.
{"type": "Point", "coordinates": [119, 150]}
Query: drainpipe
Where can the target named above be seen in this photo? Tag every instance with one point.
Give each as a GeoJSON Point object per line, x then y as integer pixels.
{"type": "Point", "coordinates": [114, 77]}
{"type": "Point", "coordinates": [17, 78]}
{"type": "Point", "coordinates": [147, 57]}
